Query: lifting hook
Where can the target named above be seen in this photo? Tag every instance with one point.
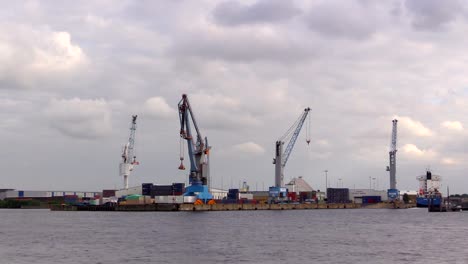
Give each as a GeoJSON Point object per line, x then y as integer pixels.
{"type": "Point", "coordinates": [181, 167]}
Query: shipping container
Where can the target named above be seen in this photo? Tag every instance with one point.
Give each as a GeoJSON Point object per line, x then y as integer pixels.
{"type": "Point", "coordinates": [338, 195]}
{"type": "Point", "coordinates": [305, 196]}
{"type": "Point", "coordinates": [146, 188]}
{"type": "Point", "coordinates": [108, 193]}
{"type": "Point", "coordinates": [129, 191]}
{"type": "Point", "coordinates": [371, 199]}
{"type": "Point", "coordinates": [94, 202]}
{"type": "Point", "coordinates": [233, 194]}
{"type": "Point", "coordinates": [248, 196]}
{"type": "Point", "coordinates": [35, 194]}
{"type": "Point", "coordinates": [170, 199]}
{"type": "Point", "coordinates": [229, 201]}
{"type": "Point", "coordinates": [292, 196]}
{"type": "Point", "coordinates": [178, 187]}
{"type": "Point", "coordinates": [162, 190]}
{"type": "Point", "coordinates": [189, 199]}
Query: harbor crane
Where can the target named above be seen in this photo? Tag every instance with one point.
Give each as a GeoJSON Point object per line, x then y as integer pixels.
{"type": "Point", "coordinates": [289, 137]}
{"type": "Point", "coordinates": [128, 155]}
{"type": "Point", "coordinates": [393, 192]}
{"type": "Point", "coordinates": [198, 153]}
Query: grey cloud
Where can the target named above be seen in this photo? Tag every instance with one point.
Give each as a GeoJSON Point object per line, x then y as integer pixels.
{"type": "Point", "coordinates": [232, 13]}
{"type": "Point", "coordinates": [242, 46]}
{"type": "Point", "coordinates": [343, 19]}
{"type": "Point", "coordinates": [433, 14]}
{"type": "Point", "coordinates": [246, 83]}
{"type": "Point", "coordinates": [88, 119]}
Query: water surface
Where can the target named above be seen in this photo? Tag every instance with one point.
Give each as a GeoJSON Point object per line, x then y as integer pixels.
{"type": "Point", "coordinates": [295, 236]}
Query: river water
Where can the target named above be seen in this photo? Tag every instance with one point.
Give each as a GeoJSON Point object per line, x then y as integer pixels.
{"type": "Point", "coordinates": [296, 236]}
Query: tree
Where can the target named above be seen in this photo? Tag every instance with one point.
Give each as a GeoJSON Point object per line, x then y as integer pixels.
{"type": "Point", "coordinates": [405, 198]}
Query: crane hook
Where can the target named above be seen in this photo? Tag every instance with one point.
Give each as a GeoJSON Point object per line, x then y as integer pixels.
{"type": "Point", "coordinates": [308, 141]}
{"type": "Point", "coordinates": [181, 167]}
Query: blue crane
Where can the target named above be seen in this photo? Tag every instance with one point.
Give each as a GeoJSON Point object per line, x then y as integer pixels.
{"type": "Point", "coordinates": [198, 153]}
{"type": "Point", "coordinates": [290, 136]}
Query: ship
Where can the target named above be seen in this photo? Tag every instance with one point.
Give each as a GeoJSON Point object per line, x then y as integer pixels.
{"type": "Point", "coordinates": [429, 194]}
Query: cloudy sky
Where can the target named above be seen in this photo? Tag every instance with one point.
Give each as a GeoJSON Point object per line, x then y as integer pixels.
{"type": "Point", "coordinates": [72, 74]}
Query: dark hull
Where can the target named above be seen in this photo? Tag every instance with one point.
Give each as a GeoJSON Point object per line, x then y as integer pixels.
{"type": "Point", "coordinates": [424, 202]}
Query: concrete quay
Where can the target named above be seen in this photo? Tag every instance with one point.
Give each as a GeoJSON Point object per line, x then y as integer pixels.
{"type": "Point", "coordinates": [228, 207]}
{"type": "Point", "coordinates": [239, 207]}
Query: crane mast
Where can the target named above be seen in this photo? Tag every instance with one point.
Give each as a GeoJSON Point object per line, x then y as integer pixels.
{"type": "Point", "coordinates": [392, 156]}
{"type": "Point", "coordinates": [198, 152]}
{"type": "Point", "coordinates": [281, 158]}
{"type": "Point", "coordinates": [128, 156]}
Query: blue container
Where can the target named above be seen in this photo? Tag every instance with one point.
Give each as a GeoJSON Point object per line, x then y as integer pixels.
{"type": "Point", "coordinates": [178, 187]}
{"type": "Point", "coordinates": [146, 188]}
{"type": "Point", "coordinates": [371, 199]}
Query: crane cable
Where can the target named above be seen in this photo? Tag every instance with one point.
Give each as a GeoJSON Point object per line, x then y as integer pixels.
{"type": "Point", "coordinates": [181, 153]}
{"type": "Point", "coordinates": [308, 130]}
{"type": "Point", "coordinates": [290, 131]}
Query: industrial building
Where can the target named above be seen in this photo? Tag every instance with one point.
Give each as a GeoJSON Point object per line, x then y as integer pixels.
{"type": "Point", "coordinates": [21, 194]}
{"type": "Point", "coordinates": [357, 195]}
{"type": "Point", "coordinates": [298, 185]}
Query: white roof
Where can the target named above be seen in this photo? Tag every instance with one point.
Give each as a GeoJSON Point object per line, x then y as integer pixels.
{"type": "Point", "coordinates": [300, 185]}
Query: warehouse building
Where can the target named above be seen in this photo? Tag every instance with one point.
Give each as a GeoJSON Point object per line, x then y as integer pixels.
{"type": "Point", "coordinates": [21, 194]}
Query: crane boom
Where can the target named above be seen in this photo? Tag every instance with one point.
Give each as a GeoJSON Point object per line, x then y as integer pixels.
{"type": "Point", "coordinates": [128, 155]}
{"type": "Point", "coordinates": [291, 143]}
{"type": "Point", "coordinates": [282, 158]}
{"type": "Point", "coordinates": [198, 152]}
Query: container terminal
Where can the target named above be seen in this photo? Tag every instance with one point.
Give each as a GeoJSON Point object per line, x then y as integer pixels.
{"type": "Point", "coordinates": [200, 195]}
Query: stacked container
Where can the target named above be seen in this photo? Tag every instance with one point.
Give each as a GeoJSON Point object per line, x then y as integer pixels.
{"type": "Point", "coordinates": [108, 193]}
{"type": "Point", "coordinates": [146, 188]}
{"type": "Point", "coordinates": [371, 199]}
{"type": "Point", "coordinates": [178, 188]}
{"type": "Point", "coordinates": [161, 190]}
{"type": "Point", "coordinates": [338, 195]}
{"type": "Point", "coordinates": [233, 194]}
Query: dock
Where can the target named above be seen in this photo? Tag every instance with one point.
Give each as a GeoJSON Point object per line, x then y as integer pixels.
{"type": "Point", "coordinates": [226, 207]}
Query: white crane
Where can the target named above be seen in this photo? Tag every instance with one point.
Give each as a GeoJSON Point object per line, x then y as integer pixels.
{"type": "Point", "coordinates": [128, 156]}
{"type": "Point", "coordinates": [290, 136]}
{"type": "Point", "coordinates": [392, 155]}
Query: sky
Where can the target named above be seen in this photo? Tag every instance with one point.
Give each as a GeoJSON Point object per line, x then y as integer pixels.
{"type": "Point", "coordinates": [72, 73]}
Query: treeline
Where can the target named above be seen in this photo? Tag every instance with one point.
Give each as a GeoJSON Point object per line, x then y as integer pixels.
{"type": "Point", "coordinates": [18, 203]}
{"type": "Point", "coordinates": [459, 195]}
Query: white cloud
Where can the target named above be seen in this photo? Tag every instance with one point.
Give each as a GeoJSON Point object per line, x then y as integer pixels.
{"type": "Point", "coordinates": [453, 125]}
{"type": "Point", "coordinates": [57, 53]}
{"type": "Point", "coordinates": [29, 55]}
{"type": "Point", "coordinates": [323, 143]}
{"type": "Point", "coordinates": [80, 118]}
{"type": "Point", "coordinates": [157, 107]}
{"type": "Point", "coordinates": [449, 161]}
{"type": "Point", "coordinates": [413, 151]}
{"type": "Point", "coordinates": [414, 127]}
{"type": "Point", "coordinates": [250, 148]}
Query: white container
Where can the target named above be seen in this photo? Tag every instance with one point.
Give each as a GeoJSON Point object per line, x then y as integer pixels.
{"type": "Point", "coordinates": [189, 199]}
{"type": "Point", "coordinates": [129, 191]}
{"type": "Point", "coordinates": [248, 196]}
{"type": "Point", "coordinates": [35, 194]}
{"type": "Point", "coordinates": [170, 199]}
{"type": "Point", "coordinates": [11, 194]}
